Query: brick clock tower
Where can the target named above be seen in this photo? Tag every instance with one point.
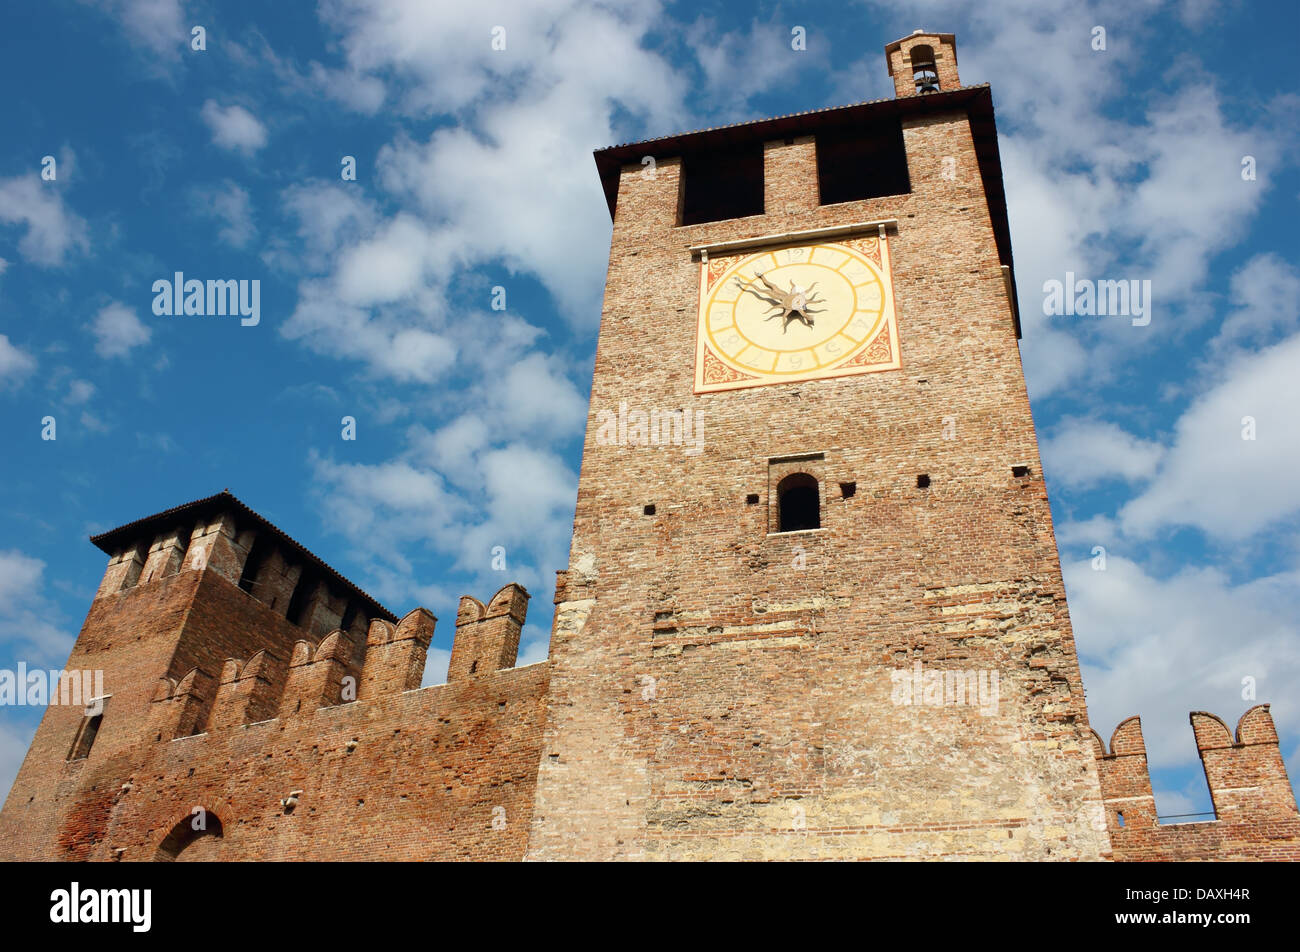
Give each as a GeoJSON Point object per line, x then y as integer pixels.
{"type": "Point", "coordinates": [832, 624]}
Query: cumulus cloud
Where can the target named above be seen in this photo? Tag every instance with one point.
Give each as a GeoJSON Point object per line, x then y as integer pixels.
{"type": "Point", "coordinates": [118, 331]}
{"type": "Point", "coordinates": [79, 391]}
{"type": "Point", "coordinates": [1083, 453]}
{"type": "Point", "coordinates": [234, 127]}
{"type": "Point", "coordinates": [51, 230]}
{"type": "Point", "coordinates": [15, 364]}
{"type": "Point", "coordinates": [737, 66]}
{"type": "Point", "coordinates": [1229, 470]}
{"type": "Point", "coordinates": [1265, 293]}
{"type": "Point", "coordinates": [157, 25]}
{"type": "Point", "coordinates": [27, 618]}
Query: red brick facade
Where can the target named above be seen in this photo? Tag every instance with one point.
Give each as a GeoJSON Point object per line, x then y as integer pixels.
{"type": "Point", "coordinates": [716, 689]}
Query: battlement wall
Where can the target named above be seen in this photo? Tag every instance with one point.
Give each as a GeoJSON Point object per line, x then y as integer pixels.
{"type": "Point", "coordinates": [445, 772]}
{"type": "Point", "coordinates": [228, 695]}
{"type": "Point", "coordinates": [1256, 815]}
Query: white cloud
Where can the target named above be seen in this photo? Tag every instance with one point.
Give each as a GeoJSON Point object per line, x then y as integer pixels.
{"type": "Point", "coordinates": [229, 204]}
{"type": "Point", "coordinates": [738, 66]}
{"type": "Point", "coordinates": [1083, 453]}
{"type": "Point", "coordinates": [15, 364]}
{"type": "Point", "coordinates": [234, 127]}
{"type": "Point", "coordinates": [388, 266]}
{"type": "Point", "coordinates": [158, 25]}
{"type": "Point", "coordinates": [390, 343]}
{"type": "Point", "coordinates": [51, 229]}
{"type": "Point", "coordinates": [79, 391]}
{"type": "Point", "coordinates": [516, 496]}
{"type": "Point", "coordinates": [26, 615]}
{"type": "Point", "coordinates": [1215, 480]}
{"type": "Point", "coordinates": [117, 330]}
{"type": "Point", "coordinates": [1265, 294]}
{"type": "Point", "coordinates": [330, 216]}
{"type": "Point", "coordinates": [534, 395]}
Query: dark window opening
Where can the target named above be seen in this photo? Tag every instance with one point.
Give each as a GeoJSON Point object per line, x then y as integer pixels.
{"type": "Point", "coordinates": [190, 829]}
{"type": "Point", "coordinates": [848, 489]}
{"type": "Point", "coordinates": [257, 556]}
{"type": "Point", "coordinates": [1019, 471]}
{"type": "Point", "coordinates": [473, 666]}
{"type": "Point", "coordinates": [649, 510]}
{"type": "Point", "coordinates": [924, 72]}
{"type": "Point", "coordinates": [175, 561]}
{"type": "Point", "coordinates": [301, 601]}
{"type": "Point", "coordinates": [86, 734]}
{"type": "Point", "coordinates": [138, 556]}
{"type": "Point", "coordinates": [799, 503]}
{"type": "Point", "coordinates": [862, 161]}
{"type": "Point", "coordinates": [751, 499]}
{"type": "Point", "coordinates": [721, 185]}
{"type": "Point", "coordinates": [349, 616]}
{"type": "Point", "coordinates": [923, 481]}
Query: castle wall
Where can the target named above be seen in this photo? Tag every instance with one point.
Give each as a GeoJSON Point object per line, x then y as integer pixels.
{"type": "Point", "coordinates": [729, 694]}
{"type": "Point", "coordinates": [418, 775]}
{"type": "Point", "coordinates": [1256, 816]}
{"type": "Point", "coordinates": [288, 742]}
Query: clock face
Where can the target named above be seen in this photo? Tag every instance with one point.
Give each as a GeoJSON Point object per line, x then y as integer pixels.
{"type": "Point", "coordinates": [796, 312]}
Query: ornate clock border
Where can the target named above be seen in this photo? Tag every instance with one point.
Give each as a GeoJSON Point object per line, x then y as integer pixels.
{"type": "Point", "coordinates": [798, 306]}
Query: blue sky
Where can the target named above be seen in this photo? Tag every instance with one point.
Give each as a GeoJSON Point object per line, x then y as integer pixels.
{"type": "Point", "coordinates": [474, 171]}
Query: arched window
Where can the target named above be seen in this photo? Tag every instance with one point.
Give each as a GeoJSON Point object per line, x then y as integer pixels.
{"type": "Point", "coordinates": [924, 73]}
{"type": "Point", "coordinates": [194, 837]}
{"type": "Point", "coordinates": [799, 503]}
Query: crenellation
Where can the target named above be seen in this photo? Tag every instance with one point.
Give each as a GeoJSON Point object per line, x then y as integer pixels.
{"type": "Point", "coordinates": [487, 637]}
{"type": "Point", "coordinates": [166, 555]}
{"type": "Point", "coordinates": [1255, 808]}
{"type": "Point", "coordinates": [316, 675]}
{"type": "Point", "coordinates": [249, 691]}
{"type": "Point", "coordinates": [123, 571]}
{"type": "Point", "coordinates": [395, 655]}
{"type": "Point", "coordinates": [181, 709]}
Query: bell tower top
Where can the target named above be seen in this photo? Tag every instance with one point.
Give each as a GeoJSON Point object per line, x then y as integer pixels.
{"type": "Point", "coordinates": [923, 63]}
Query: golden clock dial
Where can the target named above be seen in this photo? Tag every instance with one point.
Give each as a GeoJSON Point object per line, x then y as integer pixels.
{"type": "Point", "coordinates": [795, 313]}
